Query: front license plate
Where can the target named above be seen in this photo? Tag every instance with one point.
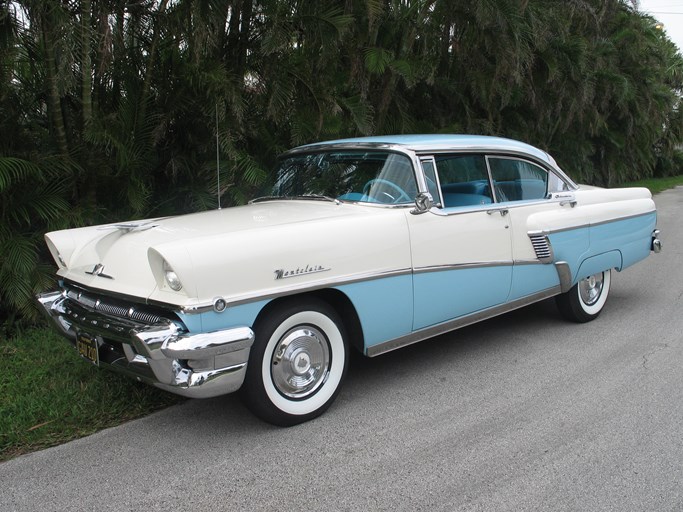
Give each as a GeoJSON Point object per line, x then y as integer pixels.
{"type": "Point", "coordinates": [87, 348]}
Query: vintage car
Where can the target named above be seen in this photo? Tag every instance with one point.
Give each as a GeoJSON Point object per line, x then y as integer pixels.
{"type": "Point", "coordinates": [369, 243]}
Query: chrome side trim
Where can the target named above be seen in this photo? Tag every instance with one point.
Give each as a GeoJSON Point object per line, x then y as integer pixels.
{"type": "Point", "coordinates": [565, 275]}
{"type": "Point", "coordinates": [451, 325]}
{"type": "Point", "coordinates": [300, 288]}
{"type": "Point", "coordinates": [491, 207]}
{"type": "Point", "coordinates": [462, 266]}
{"type": "Point", "coordinates": [497, 149]}
{"type": "Point", "coordinates": [526, 262]}
{"type": "Point", "coordinates": [588, 225]}
{"type": "Point", "coordinates": [332, 282]}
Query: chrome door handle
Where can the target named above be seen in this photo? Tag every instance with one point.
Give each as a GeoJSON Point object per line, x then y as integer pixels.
{"type": "Point", "coordinates": [503, 212]}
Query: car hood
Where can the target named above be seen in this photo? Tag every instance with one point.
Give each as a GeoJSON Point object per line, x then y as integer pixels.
{"type": "Point", "coordinates": [221, 252]}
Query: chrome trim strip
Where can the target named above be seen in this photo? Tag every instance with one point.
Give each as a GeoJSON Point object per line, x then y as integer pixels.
{"type": "Point", "coordinates": [291, 290]}
{"type": "Point", "coordinates": [491, 207]}
{"type": "Point", "coordinates": [527, 262]}
{"type": "Point", "coordinates": [142, 301]}
{"type": "Point", "coordinates": [503, 152]}
{"type": "Point", "coordinates": [333, 282]}
{"type": "Point", "coordinates": [634, 216]}
{"type": "Point", "coordinates": [588, 225]}
{"type": "Point", "coordinates": [565, 275]}
{"type": "Point", "coordinates": [461, 266]}
{"type": "Point", "coordinates": [452, 325]}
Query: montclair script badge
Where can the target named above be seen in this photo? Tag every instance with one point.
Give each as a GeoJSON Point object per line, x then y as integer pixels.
{"type": "Point", "coordinates": [299, 271]}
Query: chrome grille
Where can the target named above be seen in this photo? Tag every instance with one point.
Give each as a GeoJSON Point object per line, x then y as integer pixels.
{"type": "Point", "coordinates": [141, 316]}
{"type": "Point", "coordinates": [113, 307]}
{"type": "Point", "coordinates": [542, 248]}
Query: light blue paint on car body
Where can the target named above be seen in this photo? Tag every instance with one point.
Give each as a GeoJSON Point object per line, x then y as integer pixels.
{"type": "Point", "coordinates": [630, 236]}
{"type": "Point", "coordinates": [442, 296]}
{"type": "Point", "coordinates": [529, 279]}
{"type": "Point", "coordinates": [384, 307]}
{"type": "Point", "coordinates": [232, 316]}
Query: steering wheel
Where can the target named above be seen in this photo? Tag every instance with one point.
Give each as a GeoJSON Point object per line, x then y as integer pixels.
{"type": "Point", "coordinates": [401, 194]}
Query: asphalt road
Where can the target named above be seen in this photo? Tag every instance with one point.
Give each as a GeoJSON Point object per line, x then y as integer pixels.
{"type": "Point", "coordinates": [523, 412]}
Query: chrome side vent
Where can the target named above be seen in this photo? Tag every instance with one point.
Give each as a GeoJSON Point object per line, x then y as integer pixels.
{"type": "Point", "coordinates": [542, 247]}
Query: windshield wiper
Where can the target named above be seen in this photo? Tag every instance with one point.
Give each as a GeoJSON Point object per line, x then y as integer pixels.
{"type": "Point", "coordinates": [314, 197]}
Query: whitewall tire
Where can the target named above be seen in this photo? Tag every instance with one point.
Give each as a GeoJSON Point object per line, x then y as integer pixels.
{"type": "Point", "coordinates": [586, 299]}
{"type": "Point", "coordinates": [297, 363]}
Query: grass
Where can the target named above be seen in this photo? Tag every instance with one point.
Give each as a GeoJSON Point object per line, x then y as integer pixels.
{"type": "Point", "coordinates": [49, 395]}
{"type": "Point", "coordinates": [657, 185]}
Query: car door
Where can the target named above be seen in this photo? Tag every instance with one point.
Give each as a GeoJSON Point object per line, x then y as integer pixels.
{"type": "Point", "coordinates": [461, 249]}
{"type": "Point", "coordinates": [534, 196]}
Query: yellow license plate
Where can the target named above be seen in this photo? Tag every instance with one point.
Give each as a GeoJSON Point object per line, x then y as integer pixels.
{"type": "Point", "coordinates": [87, 348]}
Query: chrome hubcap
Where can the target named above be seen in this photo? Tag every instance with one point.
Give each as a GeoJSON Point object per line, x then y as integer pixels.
{"type": "Point", "coordinates": [301, 362]}
{"type": "Point", "coordinates": [590, 288]}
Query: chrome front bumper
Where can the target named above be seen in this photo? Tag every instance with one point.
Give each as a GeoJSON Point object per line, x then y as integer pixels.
{"type": "Point", "coordinates": [161, 353]}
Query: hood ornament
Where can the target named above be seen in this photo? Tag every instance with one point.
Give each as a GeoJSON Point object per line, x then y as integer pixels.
{"type": "Point", "coordinates": [98, 270]}
{"type": "Point", "coordinates": [127, 227]}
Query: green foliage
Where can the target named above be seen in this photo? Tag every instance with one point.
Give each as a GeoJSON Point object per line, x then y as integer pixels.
{"type": "Point", "coordinates": [111, 110]}
{"type": "Point", "coordinates": [657, 185]}
{"type": "Point", "coordinates": [48, 396]}
{"type": "Point", "coordinates": [32, 201]}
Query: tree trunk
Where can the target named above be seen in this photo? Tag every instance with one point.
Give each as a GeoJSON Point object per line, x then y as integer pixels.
{"type": "Point", "coordinates": [86, 64]}
{"type": "Point", "coordinates": [53, 96]}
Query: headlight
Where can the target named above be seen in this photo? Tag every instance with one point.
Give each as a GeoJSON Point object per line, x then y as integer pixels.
{"type": "Point", "coordinates": [172, 278]}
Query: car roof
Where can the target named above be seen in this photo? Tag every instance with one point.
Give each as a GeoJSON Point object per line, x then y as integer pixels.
{"type": "Point", "coordinates": [437, 142]}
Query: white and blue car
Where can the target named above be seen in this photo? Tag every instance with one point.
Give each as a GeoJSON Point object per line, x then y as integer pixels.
{"type": "Point", "coordinates": [369, 244]}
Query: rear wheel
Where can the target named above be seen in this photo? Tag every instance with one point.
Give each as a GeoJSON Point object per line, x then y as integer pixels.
{"type": "Point", "coordinates": [586, 299]}
{"type": "Point", "coordinates": [297, 363]}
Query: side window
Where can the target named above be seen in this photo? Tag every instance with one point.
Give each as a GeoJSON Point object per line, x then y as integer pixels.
{"type": "Point", "coordinates": [556, 184]}
{"type": "Point", "coordinates": [464, 180]}
{"type": "Point", "coordinates": [517, 180]}
{"type": "Point", "coordinates": [432, 181]}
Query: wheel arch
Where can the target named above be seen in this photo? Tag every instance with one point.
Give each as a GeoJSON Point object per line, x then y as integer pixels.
{"type": "Point", "coordinates": [336, 299]}
{"type": "Point", "coordinates": [599, 263]}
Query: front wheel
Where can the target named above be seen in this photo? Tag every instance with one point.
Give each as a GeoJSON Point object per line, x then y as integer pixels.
{"type": "Point", "coordinates": [585, 300]}
{"type": "Point", "coordinates": [297, 363]}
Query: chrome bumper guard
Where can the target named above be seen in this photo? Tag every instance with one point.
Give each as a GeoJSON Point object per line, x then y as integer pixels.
{"type": "Point", "coordinates": [162, 354]}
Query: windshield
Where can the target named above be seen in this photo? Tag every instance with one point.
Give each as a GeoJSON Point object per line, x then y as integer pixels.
{"type": "Point", "coordinates": [358, 176]}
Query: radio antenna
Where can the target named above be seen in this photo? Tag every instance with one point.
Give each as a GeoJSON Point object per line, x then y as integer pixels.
{"type": "Point", "coordinates": [218, 163]}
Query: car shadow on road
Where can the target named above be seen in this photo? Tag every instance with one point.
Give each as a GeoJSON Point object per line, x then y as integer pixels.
{"type": "Point", "coordinates": [369, 380]}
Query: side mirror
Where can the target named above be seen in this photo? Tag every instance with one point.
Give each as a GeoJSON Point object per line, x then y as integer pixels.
{"type": "Point", "coordinates": [423, 203]}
